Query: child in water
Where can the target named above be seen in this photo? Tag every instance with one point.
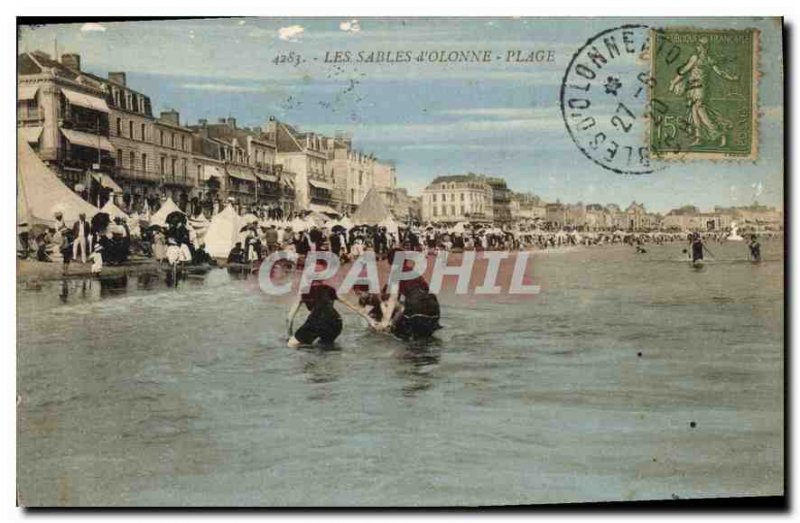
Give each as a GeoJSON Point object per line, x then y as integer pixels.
{"type": "Point", "coordinates": [323, 322]}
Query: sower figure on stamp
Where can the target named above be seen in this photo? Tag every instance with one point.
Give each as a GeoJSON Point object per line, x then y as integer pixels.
{"type": "Point", "coordinates": [705, 121]}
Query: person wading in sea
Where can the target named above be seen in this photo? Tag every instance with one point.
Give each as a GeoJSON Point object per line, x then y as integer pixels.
{"type": "Point", "coordinates": [755, 249]}
{"type": "Point", "coordinates": [411, 310]}
{"type": "Point", "coordinates": [323, 322]}
{"type": "Point", "coordinates": [697, 247]}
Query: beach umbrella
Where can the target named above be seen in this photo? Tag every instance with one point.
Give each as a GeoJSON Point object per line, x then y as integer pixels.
{"type": "Point", "coordinates": [298, 224]}
{"type": "Point", "coordinates": [460, 227]}
{"type": "Point", "coordinates": [100, 221]}
{"type": "Point", "coordinates": [175, 217]}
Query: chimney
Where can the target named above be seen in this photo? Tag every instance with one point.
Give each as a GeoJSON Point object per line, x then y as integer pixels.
{"type": "Point", "coordinates": [221, 120]}
{"type": "Point", "coordinates": [202, 122]}
{"type": "Point", "coordinates": [231, 122]}
{"type": "Point", "coordinates": [117, 78]}
{"type": "Point", "coordinates": [172, 116]}
{"type": "Point", "coordinates": [71, 60]}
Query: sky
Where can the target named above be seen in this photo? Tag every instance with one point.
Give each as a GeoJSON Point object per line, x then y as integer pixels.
{"type": "Point", "coordinates": [499, 118]}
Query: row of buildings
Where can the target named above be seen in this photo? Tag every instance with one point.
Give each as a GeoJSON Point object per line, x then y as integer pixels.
{"type": "Point", "coordinates": [99, 133]}
{"type": "Point", "coordinates": [474, 198]}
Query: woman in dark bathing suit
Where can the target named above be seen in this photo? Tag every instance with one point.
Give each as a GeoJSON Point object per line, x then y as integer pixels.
{"type": "Point", "coordinates": [412, 311]}
{"type": "Point", "coordinates": [323, 322]}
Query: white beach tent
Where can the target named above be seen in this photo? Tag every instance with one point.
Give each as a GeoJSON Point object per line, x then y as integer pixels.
{"type": "Point", "coordinates": [160, 216]}
{"type": "Point", "coordinates": [372, 210]}
{"type": "Point", "coordinates": [200, 225]}
{"type": "Point", "coordinates": [223, 232]}
{"type": "Point", "coordinates": [113, 211]}
{"type": "Point", "coordinates": [346, 222]}
{"type": "Point", "coordinates": [40, 192]}
{"type": "Point", "coordinates": [390, 224]}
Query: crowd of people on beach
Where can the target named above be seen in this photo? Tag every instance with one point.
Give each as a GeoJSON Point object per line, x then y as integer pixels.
{"type": "Point", "coordinates": [409, 311]}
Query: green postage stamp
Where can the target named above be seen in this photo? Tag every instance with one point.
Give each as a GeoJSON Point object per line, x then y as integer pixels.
{"type": "Point", "coordinates": [703, 93]}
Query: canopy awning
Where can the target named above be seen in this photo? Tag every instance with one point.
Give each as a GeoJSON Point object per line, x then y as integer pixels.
{"type": "Point", "coordinates": [85, 100]}
{"type": "Point", "coordinates": [27, 92]}
{"type": "Point", "coordinates": [319, 184]}
{"type": "Point", "coordinates": [108, 182]}
{"type": "Point", "coordinates": [322, 208]}
{"type": "Point", "coordinates": [30, 134]}
{"type": "Point", "coordinates": [87, 140]}
{"type": "Point", "coordinates": [212, 171]}
{"type": "Point", "coordinates": [266, 177]}
{"type": "Point", "coordinates": [288, 181]}
{"type": "Point", "coordinates": [241, 174]}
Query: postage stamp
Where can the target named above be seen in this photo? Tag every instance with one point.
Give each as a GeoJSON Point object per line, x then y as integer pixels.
{"type": "Point", "coordinates": [703, 101]}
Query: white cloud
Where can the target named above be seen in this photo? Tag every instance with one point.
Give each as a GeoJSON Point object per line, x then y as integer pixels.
{"type": "Point", "coordinates": [92, 27]}
{"type": "Point", "coordinates": [291, 33]}
{"type": "Point", "coordinates": [350, 26]}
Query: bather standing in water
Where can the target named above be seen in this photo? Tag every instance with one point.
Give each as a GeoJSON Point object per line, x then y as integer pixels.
{"type": "Point", "coordinates": [755, 249]}
{"type": "Point", "coordinates": [697, 247]}
{"type": "Point", "coordinates": [411, 310]}
{"type": "Point", "coordinates": [324, 322]}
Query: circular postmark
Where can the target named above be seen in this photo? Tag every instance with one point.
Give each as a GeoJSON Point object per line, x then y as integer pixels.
{"type": "Point", "coordinates": [604, 99]}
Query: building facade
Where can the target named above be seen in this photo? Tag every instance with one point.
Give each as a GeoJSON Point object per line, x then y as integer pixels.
{"type": "Point", "coordinates": [305, 154]}
{"type": "Point", "coordinates": [63, 114]}
{"type": "Point", "coordinates": [457, 198]}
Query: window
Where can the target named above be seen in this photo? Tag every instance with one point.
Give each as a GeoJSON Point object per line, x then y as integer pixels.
{"type": "Point", "coordinates": [172, 138]}
{"type": "Point", "coordinates": [453, 210]}
{"type": "Point", "coordinates": [161, 137]}
{"type": "Point", "coordinates": [163, 165]}
{"type": "Point", "coordinates": [462, 196]}
{"type": "Point", "coordinates": [435, 211]}
{"type": "Point", "coordinates": [183, 143]}
{"type": "Point", "coordinates": [360, 178]}
{"type": "Point", "coordinates": [119, 126]}
{"type": "Point", "coordinates": [433, 198]}
{"type": "Point", "coordinates": [199, 172]}
{"type": "Point", "coordinates": [185, 167]}
{"type": "Point", "coordinates": [130, 130]}
{"type": "Point", "coordinates": [133, 160]}
{"type": "Point", "coordinates": [462, 210]}
{"type": "Point", "coordinates": [144, 162]}
{"type": "Point", "coordinates": [352, 196]}
{"type": "Point", "coordinates": [143, 135]}
{"type": "Point", "coordinates": [174, 165]}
